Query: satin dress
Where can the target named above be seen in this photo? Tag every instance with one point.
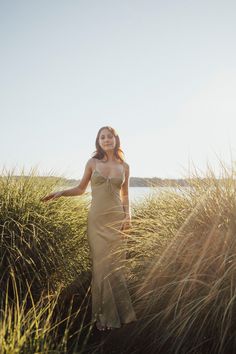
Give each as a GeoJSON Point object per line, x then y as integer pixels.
{"type": "Point", "coordinates": [111, 302]}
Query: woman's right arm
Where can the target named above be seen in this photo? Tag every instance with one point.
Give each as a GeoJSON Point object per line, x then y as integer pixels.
{"type": "Point", "coordinates": [78, 190]}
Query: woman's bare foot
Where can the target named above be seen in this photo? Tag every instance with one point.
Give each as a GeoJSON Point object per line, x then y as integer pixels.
{"type": "Point", "coordinates": [100, 327]}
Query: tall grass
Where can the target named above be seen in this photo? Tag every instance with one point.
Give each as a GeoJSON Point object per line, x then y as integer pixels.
{"type": "Point", "coordinates": [181, 263]}
{"type": "Point", "coordinates": [45, 327]}
{"type": "Point", "coordinates": [188, 292]}
{"type": "Point", "coordinates": [39, 240]}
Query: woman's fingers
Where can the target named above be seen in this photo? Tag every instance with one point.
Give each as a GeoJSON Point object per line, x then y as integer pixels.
{"type": "Point", "coordinates": [126, 226]}
{"type": "Point", "coordinates": [44, 199]}
{"type": "Point", "coordinates": [48, 197]}
{"type": "Point", "coordinates": [126, 229]}
{"type": "Point", "coordinates": [52, 196]}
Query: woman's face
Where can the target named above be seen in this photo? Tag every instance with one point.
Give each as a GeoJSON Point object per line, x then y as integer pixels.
{"type": "Point", "coordinates": [107, 140]}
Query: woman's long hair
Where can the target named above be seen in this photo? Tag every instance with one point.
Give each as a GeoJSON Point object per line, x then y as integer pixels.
{"type": "Point", "coordinates": [100, 153]}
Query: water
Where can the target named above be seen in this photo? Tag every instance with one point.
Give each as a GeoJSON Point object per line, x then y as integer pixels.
{"type": "Point", "coordinates": [139, 193]}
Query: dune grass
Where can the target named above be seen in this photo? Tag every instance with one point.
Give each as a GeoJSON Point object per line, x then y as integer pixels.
{"type": "Point", "coordinates": [189, 291]}
{"type": "Point", "coordinates": [181, 263]}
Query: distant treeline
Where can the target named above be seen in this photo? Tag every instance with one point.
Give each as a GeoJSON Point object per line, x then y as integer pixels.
{"type": "Point", "coordinates": [156, 182]}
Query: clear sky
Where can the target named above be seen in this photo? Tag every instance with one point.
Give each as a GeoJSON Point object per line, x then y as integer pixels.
{"type": "Point", "coordinates": [162, 73]}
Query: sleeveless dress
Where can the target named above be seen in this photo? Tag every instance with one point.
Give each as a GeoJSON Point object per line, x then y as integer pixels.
{"type": "Point", "coordinates": [111, 302]}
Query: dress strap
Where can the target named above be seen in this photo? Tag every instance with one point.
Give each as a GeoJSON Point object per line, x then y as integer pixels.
{"type": "Point", "coordinates": [95, 164]}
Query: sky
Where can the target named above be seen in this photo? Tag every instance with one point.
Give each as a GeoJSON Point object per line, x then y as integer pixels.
{"type": "Point", "coordinates": [162, 73]}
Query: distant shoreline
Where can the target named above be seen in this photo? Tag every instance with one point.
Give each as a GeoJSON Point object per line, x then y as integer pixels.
{"type": "Point", "coordinates": [134, 181]}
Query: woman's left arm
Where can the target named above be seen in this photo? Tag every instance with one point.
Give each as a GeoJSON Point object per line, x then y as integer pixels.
{"type": "Point", "coordinates": [125, 198]}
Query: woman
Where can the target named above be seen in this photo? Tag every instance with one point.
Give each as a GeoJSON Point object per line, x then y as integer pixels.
{"type": "Point", "coordinates": [109, 218]}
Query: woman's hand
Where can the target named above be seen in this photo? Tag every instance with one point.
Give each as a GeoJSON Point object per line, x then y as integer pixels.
{"type": "Point", "coordinates": [126, 224]}
{"type": "Point", "coordinates": [52, 196]}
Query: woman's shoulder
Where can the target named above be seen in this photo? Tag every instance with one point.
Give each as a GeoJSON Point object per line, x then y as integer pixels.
{"type": "Point", "coordinates": [91, 161]}
{"type": "Point", "coordinates": [126, 165]}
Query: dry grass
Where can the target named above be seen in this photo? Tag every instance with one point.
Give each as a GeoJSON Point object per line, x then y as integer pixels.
{"type": "Point", "coordinates": [181, 266]}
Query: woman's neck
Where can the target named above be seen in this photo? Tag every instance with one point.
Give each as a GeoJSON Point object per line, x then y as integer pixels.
{"type": "Point", "coordinates": [110, 157]}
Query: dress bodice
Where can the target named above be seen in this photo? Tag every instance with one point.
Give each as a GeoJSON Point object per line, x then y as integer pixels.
{"type": "Point", "coordinates": [111, 184]}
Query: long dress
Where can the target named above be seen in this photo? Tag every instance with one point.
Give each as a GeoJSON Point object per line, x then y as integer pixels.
{"type": "Point", "coordinates": [111, 301]}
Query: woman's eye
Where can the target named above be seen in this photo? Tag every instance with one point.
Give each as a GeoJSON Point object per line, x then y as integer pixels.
{"type": "Point", "coordinates": [109, 137]}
